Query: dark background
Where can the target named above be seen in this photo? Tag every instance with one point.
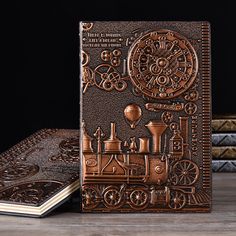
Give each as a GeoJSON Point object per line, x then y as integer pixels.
{"type": "Point", "coordinates": [40, 69]}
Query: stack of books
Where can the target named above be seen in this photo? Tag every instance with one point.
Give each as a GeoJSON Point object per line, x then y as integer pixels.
{"type": "Point", "coordinates": [224, 143]}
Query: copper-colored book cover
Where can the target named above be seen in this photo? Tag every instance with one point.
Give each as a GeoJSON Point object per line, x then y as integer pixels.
{"type": "Point", "coordinates": [145, 116]}
{"type": "Point", "coordinates": [40, 172]}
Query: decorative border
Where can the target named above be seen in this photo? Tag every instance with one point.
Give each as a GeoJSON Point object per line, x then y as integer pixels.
{"type": "Point", "coordinates": [206, 106]}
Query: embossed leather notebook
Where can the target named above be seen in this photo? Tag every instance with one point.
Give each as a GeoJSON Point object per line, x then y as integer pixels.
{"type": "Point", "coordinates": [145, 116]}
{"type": "Point", "coordinates": [39, 173]}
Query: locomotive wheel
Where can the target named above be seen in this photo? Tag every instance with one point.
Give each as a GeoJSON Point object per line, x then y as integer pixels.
{"type": "Point", "coordinates": [89, 196]}
{"type": "Point", "coordinates": [177, 200]}
{"type": "Point", "coordinates": [112, 197]}
{"type": "Point", "coordinates": [138, 199]}
{"type": "Point", "coordinates": [186, 171]}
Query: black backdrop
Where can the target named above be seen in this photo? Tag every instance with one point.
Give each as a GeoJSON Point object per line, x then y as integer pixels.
{"type": "Point", "coordinates": [40, 69]}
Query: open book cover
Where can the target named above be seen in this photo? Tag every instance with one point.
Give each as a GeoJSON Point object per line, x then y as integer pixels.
{"type": "Point", "coordinates": [39, 173]}
{"type": "Point", "coordinates": [145, 116]}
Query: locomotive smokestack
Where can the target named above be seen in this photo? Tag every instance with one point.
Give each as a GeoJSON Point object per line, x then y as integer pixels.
{"type": "Point", "coordinates": [113, 144]}
{"type": "Point", "coordinates": [156, 129]}
{"type": "Point", "coordinates": [113, 131]}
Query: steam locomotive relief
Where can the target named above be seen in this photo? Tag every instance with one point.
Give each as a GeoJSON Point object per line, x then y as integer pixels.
{"type": "Point", "coordinates": [141, 177]}
{"type": "Point", "coordinates": [159, 171]}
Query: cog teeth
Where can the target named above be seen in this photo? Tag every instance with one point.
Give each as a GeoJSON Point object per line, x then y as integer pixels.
{"type": "Point", "coordinates": [171, 54]}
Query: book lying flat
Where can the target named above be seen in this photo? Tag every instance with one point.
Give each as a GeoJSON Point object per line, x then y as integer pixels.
{"type": "Point", "coordinates": [39, 173]}
{"type": "Point", "coordinates": [223, 139]}
{"type": "Point", "coordinates": [224, 152]}
{"type": "Point", "coordinates": [225, 123]}
{"type": "Point", "coordinates": [145, 116]}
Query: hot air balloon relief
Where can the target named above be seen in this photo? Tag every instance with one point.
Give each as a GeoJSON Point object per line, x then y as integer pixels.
{"type": "Point", "coordinates": [132, 115]}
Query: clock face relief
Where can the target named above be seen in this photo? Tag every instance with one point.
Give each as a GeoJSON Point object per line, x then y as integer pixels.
{"type": "Point", "coordinates": [162, 64]}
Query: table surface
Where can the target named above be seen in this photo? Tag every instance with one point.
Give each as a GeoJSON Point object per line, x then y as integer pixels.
{"type": "Point", "coordinates": [222, 220]}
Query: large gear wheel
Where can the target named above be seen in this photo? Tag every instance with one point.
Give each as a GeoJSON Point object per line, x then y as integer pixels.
{"type": "Point", "coordinates": [162, 64]}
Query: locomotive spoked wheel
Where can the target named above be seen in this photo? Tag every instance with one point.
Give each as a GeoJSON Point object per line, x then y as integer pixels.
{"type": "Point", "coordinates": [186, 171]}
{"type": "Point", "coordinates": [112, 197]}
{"type": "Point", "coordinates": [89, 196]}
{"type": "Point", "coordinates": [138, 199]}
{"type": "Point", "coordinates": [177, 200]}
